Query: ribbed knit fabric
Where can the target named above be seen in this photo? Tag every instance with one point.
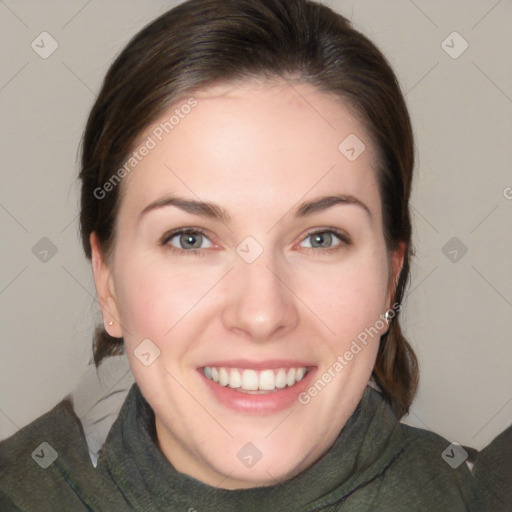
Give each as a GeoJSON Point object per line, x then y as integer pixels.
{"type": "Point", "coordinates": [376, 464]}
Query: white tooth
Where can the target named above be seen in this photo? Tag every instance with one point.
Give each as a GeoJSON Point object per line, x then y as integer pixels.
{"type": "Point", "coordinates": [300, 374]}
{"type": "Point", "coordinates": [235, 379]}
{"type": "Point", "coordinates": [267, 380]}
{"type": "Point", "coordinates": [249, 380]}
{"type": "Point", "coordinates": [223, 377]}
{"type": "Point", "coordinates": [280, 379]}
{"type": "Point", "coordinates": [290, 378]}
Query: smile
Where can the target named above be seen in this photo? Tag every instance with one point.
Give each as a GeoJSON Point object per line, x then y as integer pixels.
{"type": "Point", "coordinates": [253, 381]}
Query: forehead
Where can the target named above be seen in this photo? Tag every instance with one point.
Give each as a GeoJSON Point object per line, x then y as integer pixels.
{"type": "Point", "coordinates": [262, 144]}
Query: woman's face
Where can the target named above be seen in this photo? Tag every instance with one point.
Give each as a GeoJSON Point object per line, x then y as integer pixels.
{"type": "Point", "coordinates": [281, 283]}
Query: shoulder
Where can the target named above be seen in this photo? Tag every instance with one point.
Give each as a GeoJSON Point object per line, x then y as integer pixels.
{"type": "Point", "coordinates": [21, 448]}
{"type": "Point", "coordinates": [418, 469]}
{"type": "Point", "coordinates": [493, 472]}
{"type": "Point", "coordinates": [431, 472]}
{"type": "Point", "coordinates": [426, 442]}
{"type": "Point", "coordinates": [31, 460]}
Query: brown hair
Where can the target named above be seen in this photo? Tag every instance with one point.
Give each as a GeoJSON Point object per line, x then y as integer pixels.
{"type": "Point", "coordinates": [201, 42]}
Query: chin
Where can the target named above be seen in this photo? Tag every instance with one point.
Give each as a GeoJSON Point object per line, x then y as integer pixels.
{"type": "Point", "coordinates": [262, 474]}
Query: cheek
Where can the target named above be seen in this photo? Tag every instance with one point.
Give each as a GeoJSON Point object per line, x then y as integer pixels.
{"type": "Point", "coordinates": [153, 295]}
{"type": "Point", "coordinates": [351, 296]}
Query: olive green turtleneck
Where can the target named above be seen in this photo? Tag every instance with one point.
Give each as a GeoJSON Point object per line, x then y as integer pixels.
{"type": "Point", "coordinates": [376, 464]}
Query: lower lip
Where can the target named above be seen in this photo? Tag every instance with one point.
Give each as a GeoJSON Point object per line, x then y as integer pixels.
{"type": "Point", "coordinates": [258, 403]}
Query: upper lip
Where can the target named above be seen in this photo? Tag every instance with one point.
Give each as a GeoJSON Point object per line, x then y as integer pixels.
{"type": "Point", "coordinates": [259, 365]}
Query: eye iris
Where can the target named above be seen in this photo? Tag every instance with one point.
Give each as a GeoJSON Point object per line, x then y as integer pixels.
{"type": "Point", "coordinates": [321, 238]}
{"type": "Point", "coordinates": [192, 239]}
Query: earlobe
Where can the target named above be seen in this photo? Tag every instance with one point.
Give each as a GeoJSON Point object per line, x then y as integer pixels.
{"type": "Point", "coordinates": [105, 289]}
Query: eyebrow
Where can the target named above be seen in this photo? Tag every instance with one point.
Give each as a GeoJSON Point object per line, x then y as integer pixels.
{"type": "Point", "coordinates": [211, 210]}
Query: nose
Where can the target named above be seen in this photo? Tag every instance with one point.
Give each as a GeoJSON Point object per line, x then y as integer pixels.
{"type": "Point", "coordinates": [261, 305]}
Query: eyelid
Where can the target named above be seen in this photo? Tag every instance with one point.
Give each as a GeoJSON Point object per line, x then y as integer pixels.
{"type": "Point", "coordinates": [338, 232]}
{"type": "Point", "coordinates": [169, 235]}
{"type": "Point", "coordinates": [345, 240]}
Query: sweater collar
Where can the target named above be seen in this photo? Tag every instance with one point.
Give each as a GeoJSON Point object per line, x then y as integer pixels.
{"type": "Point", "coordinates": [365, 447]}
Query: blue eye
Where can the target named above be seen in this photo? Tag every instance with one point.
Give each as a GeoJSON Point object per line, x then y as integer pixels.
{"type": "Point", "coordinates": [323, 239]}
{"type": "Point", "coordinates": [189, 241]}
{"type": "Point", "coordinates": [320, 239]}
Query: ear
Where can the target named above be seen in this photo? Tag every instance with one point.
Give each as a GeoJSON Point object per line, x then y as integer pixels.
{"type": "Point", "coordinates": [105, 289]}
{"type": "Point", "coordinates": [396, 264]}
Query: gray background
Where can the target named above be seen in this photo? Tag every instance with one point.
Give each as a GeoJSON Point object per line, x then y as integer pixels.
{"type": "Point", "coordinates": [457, 314]}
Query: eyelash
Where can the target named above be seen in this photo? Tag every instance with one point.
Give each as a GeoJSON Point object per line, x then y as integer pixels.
{"type": "Point", "coordinates": [344, 238]}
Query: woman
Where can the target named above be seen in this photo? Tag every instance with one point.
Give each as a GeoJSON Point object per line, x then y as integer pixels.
{"type": "Point", "coordinates": [246, 173]}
